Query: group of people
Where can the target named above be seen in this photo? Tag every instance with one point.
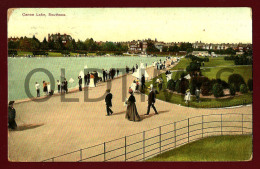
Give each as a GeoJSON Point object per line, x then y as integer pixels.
{"type": "Point", "coordinates": [188, 95]}
{"type": "Point", "coordinates": [131, 110]}
{"type": "Point", "coordinates": [107, 75]}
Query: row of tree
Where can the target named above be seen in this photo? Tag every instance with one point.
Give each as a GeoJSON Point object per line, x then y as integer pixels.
{"type": "Point", "coordinates": [31, 44]}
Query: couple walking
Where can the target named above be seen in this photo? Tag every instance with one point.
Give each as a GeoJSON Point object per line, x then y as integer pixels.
{"type": "Point", "coordinates": [131, 112]}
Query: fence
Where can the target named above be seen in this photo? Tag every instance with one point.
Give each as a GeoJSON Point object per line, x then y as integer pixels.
{"type": "Point", "coordinates": [146, 144]}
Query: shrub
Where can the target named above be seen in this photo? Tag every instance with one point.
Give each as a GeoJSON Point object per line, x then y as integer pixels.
{"type": "Point", "coordinates": [237, 80]}
{"type": "Point", "coordinates": [243, 88]}
{"type": "Point", "coordinates": [171, 85]}
{"type": "Point", "coordinates": [232, 89]}
{"type": "Point", "coordinates": [205, 88]}
{"type": "Point", "coordinates": [217, 90]}
{"type": "Point", "coordinates": [219, 81]}
{"type": "Point", "coordinates": [178, 86]}
{"type": "Point", "coordinates": [250, 84]}
{"type": "Point", "coordinates": [193, 67]}
{"type": "Point", "coordinates": [184, 85]}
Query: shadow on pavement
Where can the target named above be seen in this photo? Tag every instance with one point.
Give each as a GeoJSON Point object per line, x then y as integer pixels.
{"type": "Point", "coordinates": [27, 127]}
{"type": "Point", "coordinates": [152, 114]}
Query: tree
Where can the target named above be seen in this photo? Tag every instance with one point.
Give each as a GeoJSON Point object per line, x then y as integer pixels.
{"type": "Point", "coordinates": [243, 88]}
{"type": "Point", "coordinates": [250, 84]}
{"type": "Point", "coordinates": [217, 90]}
{"type": "Point", "coordinates": [237, 80]}
{"type": "Point", "coordinates": [165, 49]}
{"type": "Point", "coordinates": [151, 47]}
{"type": "Point", "coordinates": [13, 45]}
{"type": "Point", "coordinates": [171, 85]}
{"type": "Point", "coordinates": [232, 89]}
{"type": "Point", "coordinates": [44, 44]}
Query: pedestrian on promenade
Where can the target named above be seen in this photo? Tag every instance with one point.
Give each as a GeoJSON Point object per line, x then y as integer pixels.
{"type": "Point", "coordinates": [197, 93]}
{"type": "Point", "coordinates": [80, 83]}
{"type": "Point", "coordinates": [11, 116]}
{"type": "Point", "coordinates": [131, 111]}
{"type": "Point", "coordinates": [151, 101]}
{"type": "Point", "coordinates": [136, 66]}
{"type": "Point", "coordinates": [85, 79]}
{"type": "Point", "coordinates": [65, 85]}
{"type": "Point", "coordinates": [37, 87]}
{"type": "Point", "coordinates": [104, 75]}
{"type": "Point", "coordinates": [133, 69]}
{"type": "Point", "coordinates": [58, 84]}
{"type": "Point", "coordinates": [117, 71]}
{"type": "Point", "coordinates": [88, 78]}
{"type": "Point", "coordinates": [45, 90]}
{"type": "Point", "coordinates": [108, 101]}
{"type": "Point", "coordinates": [143, 82]}
{"type": "Point", "coordinates": [187, 96]}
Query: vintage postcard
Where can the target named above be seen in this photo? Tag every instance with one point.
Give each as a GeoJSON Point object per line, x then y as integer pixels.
{"type": "Point", "coordinates": [130, 84]}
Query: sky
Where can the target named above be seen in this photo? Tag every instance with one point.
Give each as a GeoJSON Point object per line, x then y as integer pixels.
{"type": "Point", "coordinates": [209, 25]}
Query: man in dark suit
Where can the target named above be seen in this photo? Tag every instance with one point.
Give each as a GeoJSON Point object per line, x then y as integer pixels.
{"type": "Point", "coordinates": [151, 101]}
{"type": "Point", "coordinates": [11, 116]}
{"type": "Point", "coordinates": [80, 83]}
{"type": "Point", "coordinates": [108, 101]}
{"type": "Point", "coordinates": [104, 75]}
{"type": "Point", "coordinates": [143, 81]}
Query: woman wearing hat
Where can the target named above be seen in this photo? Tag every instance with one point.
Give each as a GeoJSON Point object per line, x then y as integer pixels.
{"type": "Point", "coordinates": [131, 112]}
{"type": "Point", "coordinates": [11, 116]}
{"type": "Point", "coordinates": [187, 96]}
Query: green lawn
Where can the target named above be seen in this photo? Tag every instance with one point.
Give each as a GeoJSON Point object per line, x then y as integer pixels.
{"type": "Point", "coordinates": [22, 53]}
{"type": "Point", "coordinates": [184, 62]}
{"type": "Point", "coordinates": [244, 71]}
{"type": "Point", "coordinates": [216, 148]}
{"type": "Point", "coordinates": [218, 61]}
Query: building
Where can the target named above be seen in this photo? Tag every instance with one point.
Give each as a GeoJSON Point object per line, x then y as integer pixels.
{"type": "Point", "coordinates": [200, 53]}
{"type": "Point", "coordinates": [55, 37]}
{"type": "Point", "coordinates": [13, 39]}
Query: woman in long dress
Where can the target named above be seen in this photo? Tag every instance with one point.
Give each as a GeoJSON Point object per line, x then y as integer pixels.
{"type": "Point", "coordinates": [131, 112]}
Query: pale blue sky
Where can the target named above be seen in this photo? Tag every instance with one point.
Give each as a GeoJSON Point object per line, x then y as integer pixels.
{"type": "Point", "coordinates": [227, 25]}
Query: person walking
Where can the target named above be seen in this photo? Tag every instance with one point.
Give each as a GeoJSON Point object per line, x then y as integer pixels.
{"type": "Point", "coordinates": [80, 83]}
{"type": "Point", "coordinates": [37, 87]}
{"type": "Point", "coordinates": [197, 93]}
{"type": "Point", "coordinates": [58, 84]}
{"type": "Point", "coordinates": [45, 90]}
{"type": "Point", "coordinates": [88, 78]}
{"type": "Point", "coordinates": [85, 79]}
{"type": "Point", "coordinates": [151, 101]}
{"type": "Point", "coordinates": [108, 101]}
{"type": "Point", "coordinates": [104, 75]}
{"type": "Point", "coordinates": [117, 71]}
{"type": "Point", "coordinates": [65, 85]}
{"type": "Point", "coordinates": [11, 116]}
{"type": "Point", "coordinates": [143, 82]}
{"type": "Point", "coordinates": [187, 97]}
{"type": "Point", "coordinates": [131, 111]}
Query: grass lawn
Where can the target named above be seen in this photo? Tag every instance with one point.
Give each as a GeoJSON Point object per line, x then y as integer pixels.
{"type": "Point", "coordinates": [218, 61]}
{"type": "Point", "coordinates": [184, 62]}
{"type": "Point", "coordinates": [216, 148]}
{"type": "Point", "coordinates": [244, 71]}
{"type": "Point", "coordinates": [22, 53]}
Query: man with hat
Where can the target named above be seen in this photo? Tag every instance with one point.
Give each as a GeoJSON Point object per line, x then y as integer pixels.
{"type": "Point", "coordinates": [80, 83]}
{"type": "Point", "coordinates": [108, 101]}
{"type": "Point", "coordinates": [151, 100]}
{"type": "Point", "coordinates": [11, 116]}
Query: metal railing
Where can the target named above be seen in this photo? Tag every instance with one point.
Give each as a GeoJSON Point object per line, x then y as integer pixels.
{"type": "Point", "coordinates": [144, 145]}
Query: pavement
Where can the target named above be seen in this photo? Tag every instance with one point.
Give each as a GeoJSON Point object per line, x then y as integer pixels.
{"type": "Point", "coordinates": [51, 128]}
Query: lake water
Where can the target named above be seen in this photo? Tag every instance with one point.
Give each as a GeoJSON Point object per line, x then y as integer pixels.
{"type": "Point", "coordinates": [19, 68]}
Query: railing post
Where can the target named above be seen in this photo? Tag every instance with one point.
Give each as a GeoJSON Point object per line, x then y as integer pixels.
{"type": "Point", "coordinates": [242, 124]}
{"type": "Point", "coordinates": [104, 151]}
{"type": "Point", "coordinates": [125, 148]}
{"type": "Point", "coordinates": [221, 124]}
{"type": "Point", "coordinates": [188, 130]}
{"type": "Point", "coordinates": [160, 135]}
{"type": "Point", "coordinates": [175, 134]}
{"type": "Point", "coordinates": [80, 154]}
{"type": "Point", "coordinates": [143, 145]}
{"type": "Point", "coordinates": [202, 126]}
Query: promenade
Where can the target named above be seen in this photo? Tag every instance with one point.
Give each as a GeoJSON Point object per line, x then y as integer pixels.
{"type": "Point", "coordinates": [52, 127]}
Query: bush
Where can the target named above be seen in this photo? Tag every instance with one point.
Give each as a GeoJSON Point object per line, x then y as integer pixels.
{"type": "Point", "coordinates": [237, 80]}
{"type": "Point", "coordinates": [184, 85]}
{"type": "Point", "coordinates": [205, 88]}
{"type": "Point", "coordinates": [193, 67]}
{"type": "Point", "coordinates": [171, 85]}
{"type": "Point", "coordinates": [232, 89]}
{"type": "Point", "coordinates": [178, 86]}
{"type": "Point", "coordinates": [243, 88]}
{"type": "Point", "coordinates": [250, 84]}
{"type": "Point", "coordinates": [219, 81]}
{"type": "Point", "coordinates": [217, 90]}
